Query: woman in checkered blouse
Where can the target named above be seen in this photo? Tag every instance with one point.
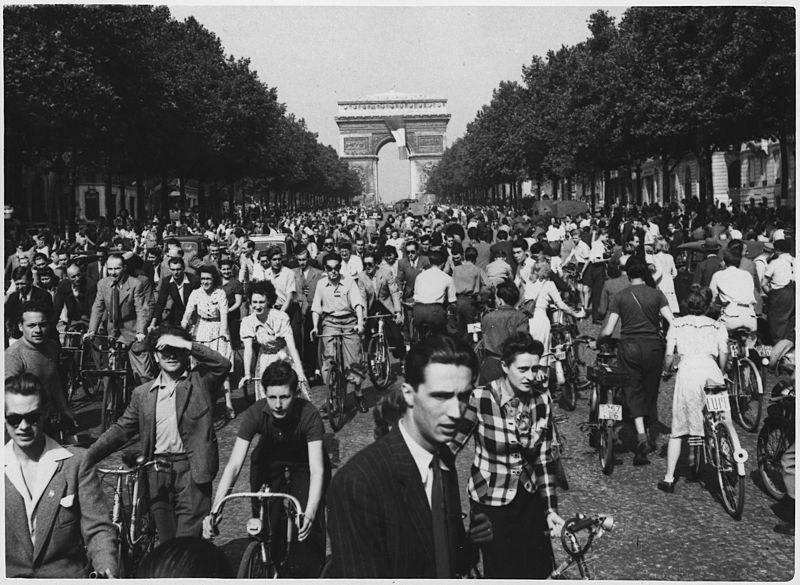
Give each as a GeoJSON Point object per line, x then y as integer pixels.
{"type": "Point", "coordinates": [513, 474]}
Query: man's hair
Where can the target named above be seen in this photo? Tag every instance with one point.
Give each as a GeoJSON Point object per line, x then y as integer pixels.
{"type": "Point", "coordinates": [21, 272]}
{"type": "Point", "coordinates": [118, 256]}
{"type": "Point", "coordinates": [636, 267]}
{"type": "Point", "coordinates": [300, 250]}
{"type": "Point", "coordinates": [264, 288]}
{"type": "Point", "coordinates": [508, 291]}
{"type": "Point", "coordinates": [732, 255]}
{"type": "Point", "coordinates": [520, 243]}
{"type": "Point", "coordinates": [26, 384]}
{"type": "Point", "coordinates": [166, 329]}
{"type": "Point", "coordinates": [698, 299]}
{"type": "Point", "coordinates": [33, 306]}
{"type": "Point", "coordinates": [273, 251]}
{"type": "Point", "coordinates": [345, 245]}
{"type": "Point", "coordinates": [470, 254]}
{"type": "Point", "coordinates": [280, 373]}
{"type": "Point", "coordinates": [331, 256]}
{"type": "Point", "coordinates": [389, 250]}
{"type": "Point", "coordinates": [39, 256]}
{"type": "Point", "coordinates": [517, 344]}
{"type": "Point", "coordinates": [226, 261]}
{"type": "Point", "coordinates": [47, 271]}
{"type": "Point", "coordinates": [502, 235]}
{"type": "Point", "coordinates": [436, 257]}
{"type": "Point", "coordinates": [176, 260]}
{"type": "Point", "coordinates": [457, 249]}
{"type": "Point", "coordinates": [438, 349]}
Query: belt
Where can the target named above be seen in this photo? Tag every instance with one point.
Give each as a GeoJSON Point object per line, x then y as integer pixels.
{"type": "Point", "coordinates": [470, 294]}
{"type": "Point", "coordinates": [429, 305]}
{"type": "Point", "coordinates": [210, 319]}
{"type": "Point", "coordinates": [172, 456]}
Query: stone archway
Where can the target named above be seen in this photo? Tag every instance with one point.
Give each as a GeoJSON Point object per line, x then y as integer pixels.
{"type": "Point", "coordinates": [417, 123]}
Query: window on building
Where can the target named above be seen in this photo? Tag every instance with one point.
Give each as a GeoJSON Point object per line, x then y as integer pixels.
{"type": "Point", "coordinates": [92, 200]}
{"type": "Point", "coordinates": [756, 170]}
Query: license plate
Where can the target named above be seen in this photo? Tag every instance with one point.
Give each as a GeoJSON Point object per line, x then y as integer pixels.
{"type": "Point", "coordinates": [610, 412]}
{"type": "Point", "coordinates": [473, 327]}
{"type": "Point", "coordinates": [560, 354]}
{"type": "Point", "coordinates": [734, 351]}
{"type": "Point", "coordinates": [717, 402]}
{"type": "Point", "coordinates": [764, 351]}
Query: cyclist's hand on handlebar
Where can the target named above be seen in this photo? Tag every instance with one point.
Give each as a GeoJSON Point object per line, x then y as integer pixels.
{"type": "Point", "coordinates": [360, 329]}
{"type": "Point", "coordinates": [313, 334]}
{"type": "Point", "coordinates": [480, 529]}
{"type": "Point", "coordinates": [305, 527]}
{"type": "Point", "coordinates": [140, 337]}
{"type": "Point", "coordinates": [398, 318]}
{"type": "Point", "coordinates": [243, 382]}
{"type": "Point", "coordinates": [555, 524]}
{"type": "Point", "coordinates": [210, 529]}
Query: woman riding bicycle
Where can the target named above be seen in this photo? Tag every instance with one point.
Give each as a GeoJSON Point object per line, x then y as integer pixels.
{"type": "Point", "coordinates": [289, 458]}
{"type": "Point", "coordinates": [272, 331]}
{"type": "Point", "coordinates": [702, 346]}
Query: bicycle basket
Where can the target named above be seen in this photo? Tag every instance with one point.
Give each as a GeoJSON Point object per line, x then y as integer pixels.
{"type": "Point", "coordinates": [606, 375]}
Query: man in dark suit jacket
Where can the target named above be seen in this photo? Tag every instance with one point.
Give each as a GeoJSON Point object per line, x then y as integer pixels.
{"type": "Point", "coordinates": [131, 322]}
{"type": "Point", "coordinates": [394, 509]}
{"type": "Point", "coordinates": [306, 279]}
{"type": "Point", "coordinates": [713, 263]}
{"type": "Point", "coordinates": [177, 287]}
{"type": "Point", "coordinates": [96, 269]}
{"type": "Point", "coordinates": [408, 268]}
{"type": "Point", "coordinates": [72, 528]}
{"type": "Point", "coordinates": [22, 281]}
{"type": "Point", "coordinates": [74, 293]}
{"type": "Point", "coordinates": [185, 438]}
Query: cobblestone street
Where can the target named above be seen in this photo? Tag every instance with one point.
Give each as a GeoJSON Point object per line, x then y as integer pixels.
{"type": "Point", "coordinates": [682, 536]}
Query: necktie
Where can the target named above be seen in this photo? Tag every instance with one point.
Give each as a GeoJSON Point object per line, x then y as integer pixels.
{"type": "Point", "coordinates": [114, 310]}
{"type": "Point", "coordinates": [441, 540]}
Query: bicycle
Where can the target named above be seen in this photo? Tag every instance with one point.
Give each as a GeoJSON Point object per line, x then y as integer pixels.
{"type": "Point", "coordinates": [337, 380]}
{"type": "Point", "coordinates": [136, 529]}
{"type": "Point", "coordinates": [566, 363]}
{"type": "Point", "coordinates": [605, 404]}
{"type": "Point", "coordinates": [71, 357]}
{"type": "Point", "coordinates": [559, 450]}
{"type": "Point", "coordinates": [746, 389]}
{"type": "Point", "coordinates": [717, 450]}
{"type": "Point", "coordinates": [576, 551]}
{"type": "Point", "coordinates": [257, 561]}
{"type": "Point", "coordinates": [376, 354]}
{"type": "Point", "coordinates": [776, 436]}
{"type": "Point", "coordinates": [113, 353]}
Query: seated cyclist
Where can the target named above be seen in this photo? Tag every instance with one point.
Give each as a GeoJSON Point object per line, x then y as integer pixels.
{"type": "Point", "coordinates": [732, 288]}
{"type": "Point", "coordinates": [291, 432]}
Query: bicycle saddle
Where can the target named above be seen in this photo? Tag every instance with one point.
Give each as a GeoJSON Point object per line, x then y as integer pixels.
{"type": "Point", "coordinates": [714, 387]}
{"type": "Point", "coordinates": [131, 458]}
{"type": "Point", "coordinates": [739, 333]}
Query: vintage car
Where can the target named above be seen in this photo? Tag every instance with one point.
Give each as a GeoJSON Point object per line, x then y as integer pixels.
{"type": "Point", "coordinates": [263, 242]}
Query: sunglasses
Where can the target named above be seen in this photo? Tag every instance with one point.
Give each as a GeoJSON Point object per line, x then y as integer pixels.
{"type": "Point", "coordinates": [332, 268]}
{"type": "Point", "coordinates": [368, 264]}
{"type": "Point", "coordinates": [329, 243]}
{"type": "Point", "coordinates": [32, 418]}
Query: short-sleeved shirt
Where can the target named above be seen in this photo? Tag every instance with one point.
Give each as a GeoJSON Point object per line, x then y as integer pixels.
{"type": "Point", "coordinates": [282, 440]}
{"type": "Point", "coordinates": [639, 319]}
{"type": "Point", "coordinates": [433, 286]}
{"type": "Point", "coordinates": [268, 334]}
{"type": "Point", "coordinates": [284, 282]}
{"type": "Point", "coordinates": [40, 360]}
{"type": "Point", "coordinates": [336, 299]}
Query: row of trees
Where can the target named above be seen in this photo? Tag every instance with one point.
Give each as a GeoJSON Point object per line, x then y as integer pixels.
{"type": "Point", "coordinates": [130, 92]}
{"type": "Point", "coordinates": [663, 83]}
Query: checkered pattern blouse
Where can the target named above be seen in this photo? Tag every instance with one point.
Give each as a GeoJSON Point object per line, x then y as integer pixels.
{"type": "Point", "coordinates": [508, 458]}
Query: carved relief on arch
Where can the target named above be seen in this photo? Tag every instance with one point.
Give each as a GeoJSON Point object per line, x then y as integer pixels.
{"type": "Point", "coordinates": [356, 145]}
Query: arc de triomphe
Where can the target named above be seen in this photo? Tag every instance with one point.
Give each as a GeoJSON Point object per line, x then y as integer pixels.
{"type": "Point", "coordinates": [417, 123]}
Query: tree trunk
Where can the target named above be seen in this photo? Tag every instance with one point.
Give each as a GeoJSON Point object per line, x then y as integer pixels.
{"type": "Point", "coordinates": [784, 167]}
{"type": "Point", "coordinates": [164, 198]}
{"type": "Point", "coordinates": [111, 203]}
{"type": "Point", "coordinates": [639, 197]}
{"type": "Point", "coordinates": [593, 192]}
{"type": "Point", "coordinates": [703, 154]}
{"type": "Point", "coordinates": [666, 191]}
{"type": "Point", "coordinates": [607, 196]}
{"type": "Point", "coordinates": [141, 198]}
{"type": "Point", "coordinates": [554, 194]}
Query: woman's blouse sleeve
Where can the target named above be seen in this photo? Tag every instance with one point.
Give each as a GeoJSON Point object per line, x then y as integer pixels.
{"type": "Point", "coordinates": [247, 329]}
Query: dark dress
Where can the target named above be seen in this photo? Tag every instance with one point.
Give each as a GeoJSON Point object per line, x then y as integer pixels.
{"type": "Point", "coordinates": [281, 460]}
{"type": "Point", "coordinates": [231, 288]}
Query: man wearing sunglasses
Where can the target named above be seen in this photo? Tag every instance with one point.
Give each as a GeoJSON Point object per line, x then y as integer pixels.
{"type": "Point", "coordinates": [327, 248]}
{"type": "Point", "coordinates": [57, 522]}
{"type": "Point", "coordinates": [339, 307]}
{"type": "Point", "coordinates": [172, 415]}
{"type": "Point", "coordinates": [382, 297]}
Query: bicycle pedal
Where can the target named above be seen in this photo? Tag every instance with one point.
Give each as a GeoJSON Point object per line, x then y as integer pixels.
{"type": "Point", "coordinates": [254, 526]}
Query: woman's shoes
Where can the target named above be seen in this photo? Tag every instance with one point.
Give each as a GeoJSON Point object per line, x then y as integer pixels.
{"type": "Point", "coordinates": [667, 486]}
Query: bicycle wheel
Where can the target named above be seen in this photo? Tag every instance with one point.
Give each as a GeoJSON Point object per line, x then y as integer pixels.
{"type": "Point", "coordinates": [559, 449]}
{"type": "Point", "coordinates": [606, 440]}
{"type": "Point", "coordinates": [594, 428]}
{"type": "Point", "coordinates": [378, 362]}
{"type": "Point", "coordinates": [569, 394]}
{"type": "Point", "coordinates": [731, 484]}
{"type": "Point", "coordinates": [336, 396]}
{"type": "Point", "coordinates": [109, 406]}
{"type": "Point", "coordinates": [747, 395]}
{"type": "Point", "coordinates": [146, 540]}
{"type": "Point", "coordinates": [72, 381]}
{"type": "Point", "coordinates": [775, 437]}
{"type": "Point", "coordinates": [252, 565]}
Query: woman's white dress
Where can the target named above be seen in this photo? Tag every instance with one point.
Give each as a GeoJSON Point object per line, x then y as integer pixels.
{"type": "Point", "coordinates": [667, 283]}
{"type": "Point", "coordinates": [208, 329]}
{"type": "Point", "coordinates": [542, 293]}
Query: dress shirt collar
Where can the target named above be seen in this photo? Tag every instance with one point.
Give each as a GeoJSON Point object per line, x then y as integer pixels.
{"type": "Point", "coordinates": [162, 382]}
{"type": "Point", "coordinates": [422, 457]}
{"type": "Point", "coordinates": [181, 283]}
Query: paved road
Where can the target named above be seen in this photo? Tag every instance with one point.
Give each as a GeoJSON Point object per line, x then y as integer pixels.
{"type": "Point", "coordinates": [682, 536]}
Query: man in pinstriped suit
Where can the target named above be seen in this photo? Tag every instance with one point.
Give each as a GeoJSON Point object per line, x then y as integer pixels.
{"type": "Point", "coordinates": [383, 504]}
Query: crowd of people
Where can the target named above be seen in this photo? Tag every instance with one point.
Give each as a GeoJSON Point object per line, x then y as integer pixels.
{"type": "Point", "coordinates": [200, 326]}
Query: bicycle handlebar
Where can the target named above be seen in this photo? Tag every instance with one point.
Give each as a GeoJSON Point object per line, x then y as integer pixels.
{"type": "Point", "coordinates": [216, 511]}
{"type": "Point", "coordinates": [121, 470]}
{"type": "Point", "coordinates": [604, 523]}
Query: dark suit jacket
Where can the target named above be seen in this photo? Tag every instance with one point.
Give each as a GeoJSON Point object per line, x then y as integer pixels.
{"type": "Point", "coordinates": [168, 289]}
{"type": "Point", "coordinates": [379, 519]}
{"type": "Point", "coordinates": [706, 269]}
{"type": "Point", "coordinates": [314, 275]}
{"type": "Point", "coordinates": [134, 312]}
{"type": "Point", "coordinates": [194, 403]}
{"type": "Point", "coordinates": [76, 308]}
{"type": "Point", "coordinates": [13, 309]}
{"type": "Point", "coordinates": [506, 247]}
{"type": "Point", "coordinates": [93, 274]}
{"type": "Point", "coordinates": [406, 275]}
{"type": "Point", "coordinates": [71, 514]}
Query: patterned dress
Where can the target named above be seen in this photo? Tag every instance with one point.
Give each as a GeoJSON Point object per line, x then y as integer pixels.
{"type": "Point", "coordinates": [270, 335]}
{"type": "Point", "coordinates": [699, 340]}
{"type": "Point", "coordinates": [208, 329]}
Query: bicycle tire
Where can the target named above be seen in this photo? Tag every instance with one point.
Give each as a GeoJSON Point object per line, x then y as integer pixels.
{"type": "Point", "coordinates": [569, 395]}
{"type": "Point", "coordinates": [775, 437]}
{"type": "Point", "coordinates": [594, 428]}
{"type": "Point", "coordinates": [72, 382]}
{"type": "Point", "coordinates": [731, 484]}
{"type": "Point", "coordinates": [123, 563]}
{"type": "Point", "coordinates": [748, 401]}
{"type": "Point", "coordinates": [146, 540]}
{"type": "Point", "coordinates": [252, 566]}
{"type": "Point", "coordinates": [336, 397]}
{"type": "Point", "coordinates": [605, 448]}
{"type": "Point", "coordinates": [378, 363]}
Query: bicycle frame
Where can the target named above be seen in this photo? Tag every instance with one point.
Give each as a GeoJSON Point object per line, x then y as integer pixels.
{"type": "Point", "coordinates": [596, 526]}
{"type": "Point", "coordinates": [713, 420]}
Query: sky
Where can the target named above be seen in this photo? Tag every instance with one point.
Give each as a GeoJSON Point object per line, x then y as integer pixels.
{"type": "Point", "coordinates": [316, 56]}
